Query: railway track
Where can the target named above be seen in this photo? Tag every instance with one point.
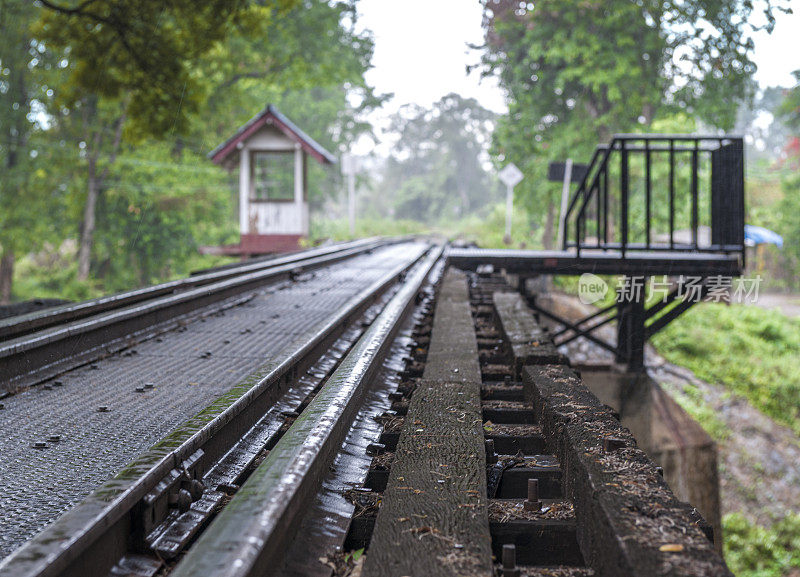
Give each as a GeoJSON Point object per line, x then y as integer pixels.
{"type": "Point", "coordinates": [27, 323]}
{"type": "Point", "coordinates": [426, 426]}
{"type": "Point", "coordinates": [35, 343]}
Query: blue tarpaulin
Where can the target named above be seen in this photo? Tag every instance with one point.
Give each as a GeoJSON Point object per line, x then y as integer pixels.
{"type": "Point", "coordinates": [754, 235]}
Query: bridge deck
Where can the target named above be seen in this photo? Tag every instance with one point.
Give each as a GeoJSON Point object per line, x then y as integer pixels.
{"type": "Point", "coordinates": [647, 263]}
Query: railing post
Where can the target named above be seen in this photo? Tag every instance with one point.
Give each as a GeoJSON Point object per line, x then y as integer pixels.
{"type": "Point", "coordinates": [694, 195]}
{"type": "Point", "coordinates": [586, 195]}
{"type": "Point", "coordinates": [672, 194]}
{"type": "Point", "coordinates": [605, 206]}
{"type": "Point", "coordinates": [631, 333]}
{"type": "Point", "coordinates": [597, 193]}
{"type": "Point", "coordinates": [623, 195]}
{"type": "Point", "coordinates": [647, 192]}
{"type": "Point", "coordinates": [740, 181]}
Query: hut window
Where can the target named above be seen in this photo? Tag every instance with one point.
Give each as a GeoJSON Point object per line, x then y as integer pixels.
{"type": "Point", "coordinates": [273, 175]}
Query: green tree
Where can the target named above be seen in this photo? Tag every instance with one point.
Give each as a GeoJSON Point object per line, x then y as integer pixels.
{"type": "Point", "coordinates": [438, 167]}
{"type": "Point", "coordinates": [146, 50]}
{"type": "Point", "coordinates": [310, 62]}
{"type": "Point", "coordinates": [789, 109]}
{"type": "Point", "coordinates": [305, 56]}
{"type": "Point", "coordinates": [133, 59]}
{"type": "Point", "coordinates": [30, 199]}
{"type": "Point", "coordinates": [789, 207]}
{"type": "Point", "coordinates": [156, 209]}
{"type": "Point", "coordinates": [577, 71]}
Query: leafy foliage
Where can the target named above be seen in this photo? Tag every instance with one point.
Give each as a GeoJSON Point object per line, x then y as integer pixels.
{"type": "Point", "coordinates": [790, 107]}
{"type": "Point", "coordinates": [752, 351]}
{"type": "Point", "coordinates": [789, 223]}
{"type": "Point", "coordinates": [576, 71]}
{"type": "Point", "coordinates": [789, 207]}
{"type": "Point", "coordinates": [616, 63]}
{"type": "Point", "coordinates": [755, 551]}
{"type": "Point", "coordinates": [119, 102]}
{"type": "Point", "coordinates": [437, 170]}
{"type": "Point", "coordinates": [154, 214]}
{"type": "Point", "coordinates": [145, 49]}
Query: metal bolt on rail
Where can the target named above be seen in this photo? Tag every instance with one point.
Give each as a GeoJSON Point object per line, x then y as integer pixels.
{"type": "Point", "coordinates": [510, 568]}
{"type": "Point", "coordinates": [181, 500]}
{"type": "Point", "coordinates": [228, 488]}
{"type": "Point", "coordinates": [611, 444]}
{"type": "Point", "coordinates": [195, 489]}
{"type": "Point", "coordinates": [375, 449]}
{"type": "Point", "coordinates": [532, 503]}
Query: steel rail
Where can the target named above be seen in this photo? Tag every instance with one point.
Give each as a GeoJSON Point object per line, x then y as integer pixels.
{"type": "Point", "coordinates": [27, 323]}
{"type": "Point", "coordinates": [250, 535]}
{"type": "Point", "coordinates": [93, 535]}
{"type": "Point", "coordinates": [40, 355]}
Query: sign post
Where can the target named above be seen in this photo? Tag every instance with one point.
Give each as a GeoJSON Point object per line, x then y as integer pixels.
{"type": "Point", "coordinates": [511, 176]}
{"type": "Point", "coordinates": [349, 169]}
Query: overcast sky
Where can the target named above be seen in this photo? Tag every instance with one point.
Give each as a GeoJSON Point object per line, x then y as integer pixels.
{"type": "Point", "coordinates": [421, 50]}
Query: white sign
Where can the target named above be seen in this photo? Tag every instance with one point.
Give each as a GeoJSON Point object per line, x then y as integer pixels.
{"type": "Point", "coordinates": [510, 175]}
{"type": "Point", "coordinates": [349, 164]}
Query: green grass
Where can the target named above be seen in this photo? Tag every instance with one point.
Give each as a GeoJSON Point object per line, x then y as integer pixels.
{"type": "Point", "coordinates": [755, 551]}
{"type": "Point", "coordinates": [55, 275]}
{"type": "Point", "coordinates": [753, 352]}
{"type": "Point", "coordinates": [339, 229]}
{"type": "Point", "coordinates": [486, 230]}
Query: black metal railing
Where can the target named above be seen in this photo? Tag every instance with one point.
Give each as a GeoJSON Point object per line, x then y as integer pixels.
{"type": "Point", "coordinates": [657, 192]}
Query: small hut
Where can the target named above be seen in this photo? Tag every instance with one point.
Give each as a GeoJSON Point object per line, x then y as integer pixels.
{"type": "Point", "coordinates": [270, 152]}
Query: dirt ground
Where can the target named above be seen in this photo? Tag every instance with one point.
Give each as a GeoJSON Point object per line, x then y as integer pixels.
{"type": "Point", "coordinates": [759, 462]}
{"type": "Point", "coordinates": [788, 304]}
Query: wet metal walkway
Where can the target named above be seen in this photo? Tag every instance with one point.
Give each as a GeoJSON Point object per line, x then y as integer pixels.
{"type": "Point", "coordinates": [93, 421]}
